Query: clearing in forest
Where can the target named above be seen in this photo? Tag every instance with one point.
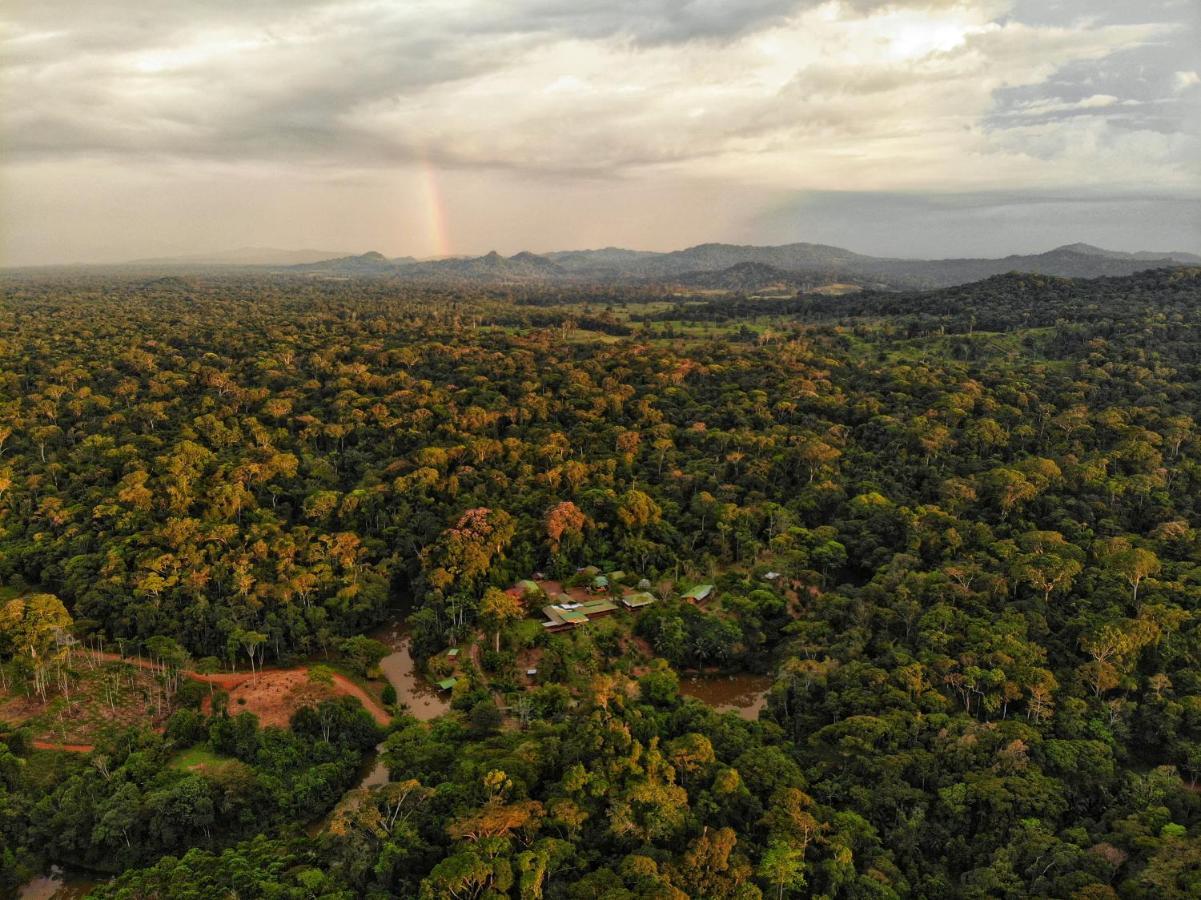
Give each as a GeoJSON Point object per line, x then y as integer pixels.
{"type": "Point", "coordinates": [106, 691]}
{"type": "Point", "coordinates": [101, 694]}
{"type": "Point", "coordinates": [275, 694]}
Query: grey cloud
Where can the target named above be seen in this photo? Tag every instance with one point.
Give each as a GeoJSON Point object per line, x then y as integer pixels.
{"type": "Point", "coordinates": [656, 21]}
{"type": "Point", "coordinates": [977, 223]}
{"type": "Point", "coordinates": [73, 84]}
{"type": "Point", "coordinates": [1143, 81]}
{"type": "Point", "coordinates": [1104, 12]}
{"type": "Point", "coordinates": [288, 122]}
{"type": "Point", "coordinates": [79, 90]}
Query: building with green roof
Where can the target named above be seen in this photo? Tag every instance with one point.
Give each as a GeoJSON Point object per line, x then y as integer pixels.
{"type": "Point", "coordinates": [639, 600]}
{"type": "Point", "coordinates": [594, 609]}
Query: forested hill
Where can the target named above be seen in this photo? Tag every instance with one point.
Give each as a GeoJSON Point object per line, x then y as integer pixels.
{"type": "Point", "coordinates": [1000, 303]}
{"type": "Point", "coordinates": [1036, 299]}
{"type": "Point", "coordinates": [956, 532]}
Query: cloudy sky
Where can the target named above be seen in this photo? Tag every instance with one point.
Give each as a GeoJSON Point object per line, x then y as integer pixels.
{"type": "Point", "coordinates": [429, 127]}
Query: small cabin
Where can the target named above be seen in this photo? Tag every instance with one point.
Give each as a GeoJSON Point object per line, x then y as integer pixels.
{"type": "Point", "coordinates": [639, 600]}
{"type": "Point", "coordinates": [597, 609]}
{"type": "Point", "coordinates": [560, 619]}
{"type": "Point", "coordinates": [698, 594]}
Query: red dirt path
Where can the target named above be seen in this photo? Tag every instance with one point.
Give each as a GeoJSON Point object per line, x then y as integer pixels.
{"type": "Point", "coordinates": [68, 748]}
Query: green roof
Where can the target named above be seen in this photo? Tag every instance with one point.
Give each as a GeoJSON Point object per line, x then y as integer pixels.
{"type": "Point", "coordinates": [575, 616]}
{"type": "Point", "coordinates": [452, 652]}
{"type": "Point", "coordinates": [447, 683]}
{"type": "Point", "coordinates": [642, 598]}
{"type": "Point", "coordinates": [700, 592]}
{"type": "Point", "coordinates": [596, 606]}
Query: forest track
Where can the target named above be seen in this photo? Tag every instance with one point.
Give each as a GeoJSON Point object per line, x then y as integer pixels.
{"type": "Point", "coordinates": [65, 748]}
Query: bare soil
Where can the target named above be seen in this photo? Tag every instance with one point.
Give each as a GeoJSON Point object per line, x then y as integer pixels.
{"type": "Point", "coordinates": [273, 695]}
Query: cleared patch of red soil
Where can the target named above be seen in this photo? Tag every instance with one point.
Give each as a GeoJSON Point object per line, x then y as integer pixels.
{"type": "Point", "coordinates": [67, 748]}
{"type": "Point", "coordinates": [267, 693]}
{"type": "Point", "coordinates": [274, 694]}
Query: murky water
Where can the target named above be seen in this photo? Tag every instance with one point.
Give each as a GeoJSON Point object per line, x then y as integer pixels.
{"type": "Point", "coordinates": [412, 687]}
{"type": "Point", "coordinates": [743, 694]}
{"type": "Point", "coordinates": [57, 885]}
{"type": "Point", "coordinates": [424, 701]}
{"type": "Point", "coordinates": [372, 773]}
{"type": "Point", "coordinates": [375, 772]}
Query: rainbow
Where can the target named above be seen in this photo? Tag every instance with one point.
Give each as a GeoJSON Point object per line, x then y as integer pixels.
{"type": "Point", "coordinates": [435, 209]}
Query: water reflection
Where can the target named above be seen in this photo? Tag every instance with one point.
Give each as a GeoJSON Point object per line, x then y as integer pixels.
{"type": "Point", "coordinates": [376, 771]}
{"type": "Point", "coordinates": [412, 688]}
{"type": "Point", "coordinates": [424, 700]}
{"type": "Point", "coordinates": [743, 694]}
{"type": "Point", "coordinates": [57, 885]}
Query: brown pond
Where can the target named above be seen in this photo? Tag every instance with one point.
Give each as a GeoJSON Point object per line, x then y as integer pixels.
{"type": "Point", "coordinates": [424, 700]}
{"type": "Point", "coordinates": [58, 885]}
{"type": "Point", "coordinates": [743, 694]}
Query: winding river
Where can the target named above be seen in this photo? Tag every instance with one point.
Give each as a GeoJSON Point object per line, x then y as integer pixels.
{"type": "Point", "coordinates": [424, 700]}
{"type": "Point", "coordinates": [413, 689]}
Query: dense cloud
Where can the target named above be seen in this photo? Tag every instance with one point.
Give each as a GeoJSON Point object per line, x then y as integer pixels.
{"type": "Point", "coordinates": [770, 95]}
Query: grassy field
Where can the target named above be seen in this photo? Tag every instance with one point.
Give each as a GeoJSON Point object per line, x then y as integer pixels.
{"type": "Point", "coordinates": [198, 755]}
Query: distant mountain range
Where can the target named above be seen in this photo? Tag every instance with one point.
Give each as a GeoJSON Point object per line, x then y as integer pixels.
{"type": "Point", "coordinates": [733, 267]}
{"type": "Point", "coordinates": [719, 267]}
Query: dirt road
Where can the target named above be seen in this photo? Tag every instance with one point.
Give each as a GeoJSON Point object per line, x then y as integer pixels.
{"type": "Point", "coordinates": [67, 748]}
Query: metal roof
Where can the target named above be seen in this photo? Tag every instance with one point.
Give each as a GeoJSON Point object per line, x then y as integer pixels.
{"type": "Point", "coordinates": [642, 598]}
